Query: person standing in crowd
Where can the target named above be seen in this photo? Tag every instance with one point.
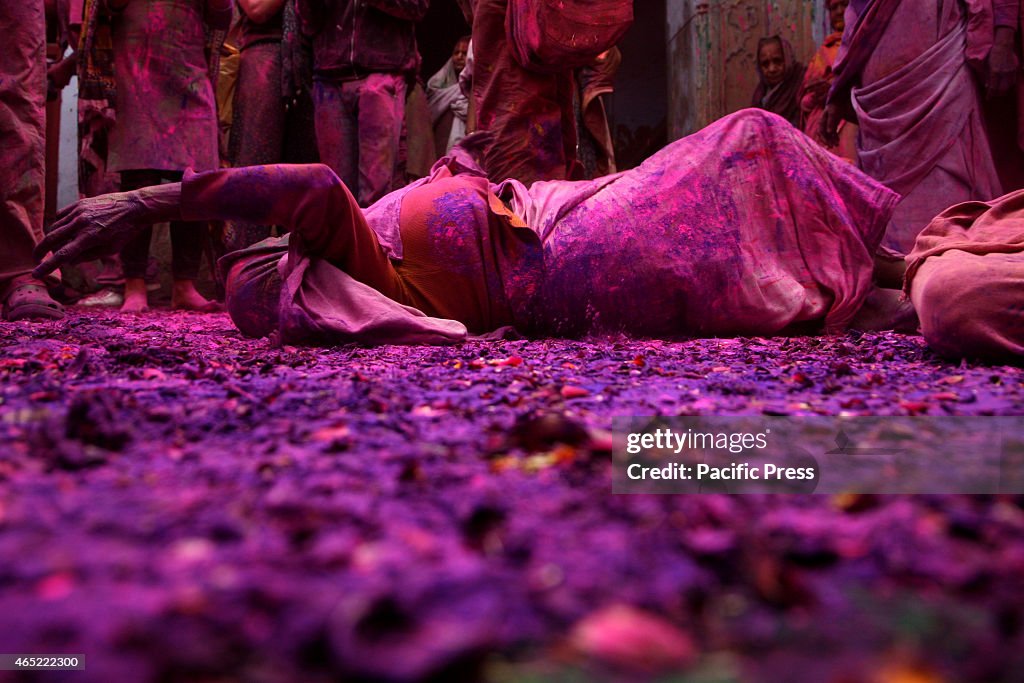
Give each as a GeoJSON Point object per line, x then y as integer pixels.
{"type": "Point", "coordinates": [363, 54]}
{"type": "Point", "coordinates": [166, 123]}
{"type": "Point", "coordinates": [22, 125]}
{"type": "Point", "coordinates": [904, 76]}
{"type": "Point", "coordinates": [87, 23]}
{"type": "Point", "coordinates": [596, 80]}
{"type": "Point", "coordinates": [449, 106]}
{"type": "Point", "coordinates": [268, 106]}
{"type": "Point", "coordinates": [781, 76]}
{"type": "Point", "coordinates": [817, 82]}
{"type": "Point", "coordinates": [530, 114]}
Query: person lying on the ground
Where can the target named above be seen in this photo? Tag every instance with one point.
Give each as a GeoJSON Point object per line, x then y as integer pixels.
{"type": "Point", "coordinates": [166, 122]}
{"type": "Point", "coordinates": [965, 278]}
{"type": "Point", "coordinates": [745, 228]}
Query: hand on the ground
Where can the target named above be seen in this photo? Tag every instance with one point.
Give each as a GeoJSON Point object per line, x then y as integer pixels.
{"type": "Point", "coordinates": [91, 228]}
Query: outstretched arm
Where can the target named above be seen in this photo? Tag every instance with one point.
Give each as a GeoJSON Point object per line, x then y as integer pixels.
{"type": "Point", "coordinates": [308, 199]}
{"type": "Point", "coordinates": [99, 226]}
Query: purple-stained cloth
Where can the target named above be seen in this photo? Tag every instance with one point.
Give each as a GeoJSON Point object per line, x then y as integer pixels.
{"type": "Point", "coordinates": [746, 227]}
{"type": "Point", "coordinates": [22, 121]}
{"type": "Point", "coordinates": [447, 101]}
{"type": "Point", "coordinates": [321, 303]}
{"type": "Point", "coordinates": [253, 32]}
{"type": "Point", "coordinates": [906, 65]}
{"type": "Point", "coordinates": [333, 280]}
{"type": "Point", "coordinates": [358, 131]}
{"type": "Point", "coordinates": [166, 111]}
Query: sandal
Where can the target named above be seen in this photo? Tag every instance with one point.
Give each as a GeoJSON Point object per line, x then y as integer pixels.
{"type": "Point", "coordinates": [30, 300]}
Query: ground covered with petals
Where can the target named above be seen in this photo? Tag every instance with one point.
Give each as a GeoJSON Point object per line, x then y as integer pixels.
{"type": "Point", "coordinates": [178, 502]}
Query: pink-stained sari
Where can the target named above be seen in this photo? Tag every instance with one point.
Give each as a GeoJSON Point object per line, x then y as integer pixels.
{"type": "Point", "coordinates": [906, 64]}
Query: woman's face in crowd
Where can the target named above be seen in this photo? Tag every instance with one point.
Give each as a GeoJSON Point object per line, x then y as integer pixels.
{"type": "Point", "coordinates": [459, 55]}
{"type": "Point", "coordinates": [835, 14]}
{"type": "Point", "coordinates": [773, 64]}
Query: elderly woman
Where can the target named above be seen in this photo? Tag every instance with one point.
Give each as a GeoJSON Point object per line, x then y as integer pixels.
{"type": "Point", "coordinates": [448, 104]}
{"type": "Point", "coordinates": [746, 227]}
{"type": "Point", "coordinates": [780, 77]}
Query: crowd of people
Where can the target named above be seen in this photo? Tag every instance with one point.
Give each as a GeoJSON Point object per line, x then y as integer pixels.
{"type": "Point", "coordinates": [488, 195]}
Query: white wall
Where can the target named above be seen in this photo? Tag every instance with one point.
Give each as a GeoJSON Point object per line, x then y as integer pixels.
{"type": "Point", "coordinates": [67, 171]}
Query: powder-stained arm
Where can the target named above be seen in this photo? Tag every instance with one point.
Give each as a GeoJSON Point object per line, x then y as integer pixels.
{"type": "Point", "coordinates": [309, 199]}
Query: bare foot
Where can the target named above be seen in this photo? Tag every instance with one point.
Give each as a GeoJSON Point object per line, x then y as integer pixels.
{"type": "Point", "coordinates": [886, 309]}
{"type": "Point", "coordinates": [135, 299]}
{"type": "Point", "coordinates": [185, 297]}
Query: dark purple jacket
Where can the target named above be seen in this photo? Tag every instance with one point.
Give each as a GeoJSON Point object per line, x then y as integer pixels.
{"type": "Point", "coordinates": [353, 38]}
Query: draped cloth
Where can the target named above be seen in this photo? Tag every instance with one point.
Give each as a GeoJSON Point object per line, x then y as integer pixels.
{"type": "Point", "coordinates": [906, 65]}
{"type": "Point", "coordinates": [964, 277]}
{"type": "Point", "coordinates": [530, 114]}
{"type": "Point", "coordinates": [95, 53]}
{"type": "Point", "coordinates": [747, 227]}
{"type": "Point", "coordinates": [166, 109]}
